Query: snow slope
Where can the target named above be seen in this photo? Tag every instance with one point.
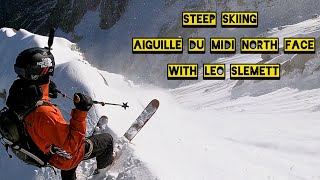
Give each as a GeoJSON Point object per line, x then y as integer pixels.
{"type": "Point", "coordinates": [111, 49]}
{"type": "Point", "coordinates": [72, 74]}
{"type": "Point", "coordinates": [226, 130]}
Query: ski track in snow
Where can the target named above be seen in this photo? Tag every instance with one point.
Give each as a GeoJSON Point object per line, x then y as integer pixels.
{"type": "Point", "coordinates": [206, 130]}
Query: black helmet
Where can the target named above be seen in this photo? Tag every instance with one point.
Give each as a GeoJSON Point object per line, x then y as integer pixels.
{"type": "Point", "coordinates": [34, 63]}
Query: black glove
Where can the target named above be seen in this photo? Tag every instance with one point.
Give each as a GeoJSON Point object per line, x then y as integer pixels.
{"type": "Point", "coordinates": [82, 102]}
{"type": "Point", "coordinates": [53, 92]}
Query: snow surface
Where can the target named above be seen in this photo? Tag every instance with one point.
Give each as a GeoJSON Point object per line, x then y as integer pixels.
{"type": "Point", "coordinates": [226, 130]}
{"type": "Point", "coordinates": [111, 49]}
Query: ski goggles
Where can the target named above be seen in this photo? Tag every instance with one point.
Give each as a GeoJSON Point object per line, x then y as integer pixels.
{"type": "Point", "coordinates": [32, 73]}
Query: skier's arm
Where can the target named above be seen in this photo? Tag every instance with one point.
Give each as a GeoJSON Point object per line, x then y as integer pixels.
{"type": "Point", "coordinates": [68, 137]}
{"type": "Point", "coordinates": [77, 127]}
{"type": "Point", "coordinates": [50, 132]}
{"type": "Point", "coordinates": [56, 132]}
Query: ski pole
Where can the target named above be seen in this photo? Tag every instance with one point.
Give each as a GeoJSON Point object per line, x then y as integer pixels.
{"type": "Point", "coordinates": [63, 95]}
{"type": "Point", "coordinates": [124, 105]}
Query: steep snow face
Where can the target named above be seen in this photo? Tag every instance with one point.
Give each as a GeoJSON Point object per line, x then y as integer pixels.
{"type": "Point", "coordinates": [299, 80]}
{"type": "Point", "coordinates": [73, 74]}
{"type": "Point", "coordinates": [206, 130]}
{"type": "Point", "coordinates": [236, 127]}
{"type": "Point", "coordinates": [104, 28]}
{"type": "Point", "coordinates": [11, 44]}
{"type": "Point", "coordinates": [111, 49]}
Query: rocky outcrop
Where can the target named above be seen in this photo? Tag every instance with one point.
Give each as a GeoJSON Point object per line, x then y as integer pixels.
{"type": "Point", "coordinates": [38, 16]}
{"type": "Point", "coordinates": [111, 11]}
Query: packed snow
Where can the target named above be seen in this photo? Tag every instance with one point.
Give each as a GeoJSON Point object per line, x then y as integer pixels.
{"type": "Point", "coordinates": [226, 130]}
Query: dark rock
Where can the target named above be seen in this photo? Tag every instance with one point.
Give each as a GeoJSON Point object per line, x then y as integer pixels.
{"type": "Point", "coordinates": [111, 11]}
{"type": "Point", "coordinates": [38, 16]}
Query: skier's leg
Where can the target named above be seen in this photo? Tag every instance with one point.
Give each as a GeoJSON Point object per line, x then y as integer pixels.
{"type": "Point", "coordinates": [101, 147]}
{"type": "Point", "coordinates": [69, 175]}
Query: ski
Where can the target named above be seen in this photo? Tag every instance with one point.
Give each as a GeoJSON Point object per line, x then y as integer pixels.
{"type": "Point", "coordinates": [100, 126]}
{"type": "Point", "coordinates": [122, 143]}
{"type": "Point", "coordinates": [143, 118]}
{"type": "Point", "coordinates": [134, 129]}
{"type": "Point", "coordinates": [102, 122]}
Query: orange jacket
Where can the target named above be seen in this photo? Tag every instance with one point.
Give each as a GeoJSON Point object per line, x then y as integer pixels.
{"type": "Point", "coordinates": [47, 127]}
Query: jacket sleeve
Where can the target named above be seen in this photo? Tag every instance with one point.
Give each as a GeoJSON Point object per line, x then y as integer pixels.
{"type": "Point", "coordinates": [68, 137]}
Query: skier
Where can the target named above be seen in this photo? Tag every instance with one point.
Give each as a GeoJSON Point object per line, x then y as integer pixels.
{"type": "Point", "coordinates": [64, 144]}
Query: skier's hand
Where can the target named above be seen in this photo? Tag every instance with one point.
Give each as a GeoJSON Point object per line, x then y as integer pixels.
{"type": "Point", "coordinates": [82, 102]}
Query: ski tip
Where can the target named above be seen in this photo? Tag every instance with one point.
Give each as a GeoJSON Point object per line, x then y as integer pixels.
{"type": "Point", "coordinates": [155, 103]}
